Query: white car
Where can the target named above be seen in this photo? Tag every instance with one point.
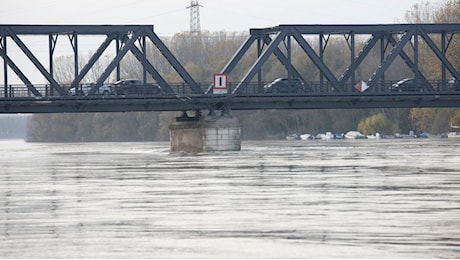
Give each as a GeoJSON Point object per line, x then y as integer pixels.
{"type": "Point", "coordinates": [84, 89]}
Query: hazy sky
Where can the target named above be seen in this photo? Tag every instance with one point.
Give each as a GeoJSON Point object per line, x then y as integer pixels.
{"type": "Point", "coordinates": [171, 16]}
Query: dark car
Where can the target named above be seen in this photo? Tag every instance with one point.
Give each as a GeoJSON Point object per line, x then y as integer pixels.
{"type": "Point", "coordinates": [407, 85]}
{"type": "Point", "coordinates": [134, 87]}
{"type": "Point", "coordinates": [282, 85]}
{"type": "Point", "coordinates": [85, 88]}
{"type": "Point", "coordinates": [453, 83]}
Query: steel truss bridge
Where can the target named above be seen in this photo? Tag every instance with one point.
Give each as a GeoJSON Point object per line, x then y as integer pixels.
{"type": "Point", "coordinates": [329, 91]}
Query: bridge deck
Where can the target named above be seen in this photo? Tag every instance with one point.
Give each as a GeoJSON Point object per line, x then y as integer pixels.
{"type": "Point", "coordinates": [168, 102]}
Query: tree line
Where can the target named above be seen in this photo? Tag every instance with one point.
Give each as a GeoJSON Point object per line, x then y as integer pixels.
{"type": "Point", "coordinates": [205, 54]}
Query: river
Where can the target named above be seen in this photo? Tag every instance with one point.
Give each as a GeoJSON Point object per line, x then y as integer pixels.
{"type": "Point", "coordinates": [388, 198]}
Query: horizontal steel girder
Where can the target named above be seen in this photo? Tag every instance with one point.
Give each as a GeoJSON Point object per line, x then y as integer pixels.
{"type": "Point", "coordinates": [5, 29]}
{"type": "Point", "coordinates": [61, 105]}
{"type": "Point", "coordinates": [340, 29]}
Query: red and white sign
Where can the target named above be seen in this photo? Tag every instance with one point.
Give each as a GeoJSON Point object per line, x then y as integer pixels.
{"type": "Point", "coordinates": [220, 85]}
{"type": "Point", "coordinates": [361, 86]}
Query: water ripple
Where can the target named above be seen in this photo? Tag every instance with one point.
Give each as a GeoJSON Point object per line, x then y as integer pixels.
{"type": "Point", "coordinates": [394, 198]}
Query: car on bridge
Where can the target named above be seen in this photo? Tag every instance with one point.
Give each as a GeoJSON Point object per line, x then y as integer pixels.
{"type": "Point", "coordinates": [134, 87]}
{"type": "Point", "coordinates": [407, 85]}
{"type": "Point", "coordinates": [454, 84]}
{"type": "Point", "coordinates": [281, 85]}
{"type": "Point", "coordinates": [84, 89]}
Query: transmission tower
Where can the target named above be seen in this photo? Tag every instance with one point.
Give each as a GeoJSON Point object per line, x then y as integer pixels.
{"type": "Point", "coordinates": [194, 16]}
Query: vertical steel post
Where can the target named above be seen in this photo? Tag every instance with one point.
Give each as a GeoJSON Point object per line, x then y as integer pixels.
{"type": "Point", "coordinates": [382, 59]}
{"type": "Point", "coordinates": [117, 46]}
{"type": "Point", "coordinates": [50, 53]}
{"type": "Point", "coordinates": [321, 57]}
{"type": "Point", "coordinates": [144, 53]}
{"type": "Point", "coordinates": [352, 58]}
{"type": "Point", "coordinates": [289, 57]}
{"type": "Point", "coordinates": [416, 67]}
{"type": "Point", "coordinates": [51, 44]}
{"type": "Point", "coordinates": [443, 68]}
{"type": "Point", "coordinates": [75, 49]}
{"type": "Point", "coordinates": [259, 74]}
{"type": "Point", "coordinates": [5, 65]}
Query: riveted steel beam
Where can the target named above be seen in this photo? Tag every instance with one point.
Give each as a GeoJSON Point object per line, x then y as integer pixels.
{"type": "Point", "coordinates": [174, 62]}
{"type": "Point", "coordinates": [70, 29]}
{"type": "Point", "coordinates": [260, 61]}
{"type": "Point", "coordinates": [398, 47]}
{"type": "Point", "coordinates": [359, 58]}
{"type": "Point", "coordinates": [92, 60]}
{"type": "Point", "coordinates": [126, 47]}
{"type": "Point", "coordinates": [439, 53]}
{"type": "Point", "coordinates": [411, 64]}
{"type": "Point", "coordinates": [19, 73]}
{"type": "Point", "coordinates": [37, 63]}
{"type": "Point", "coordinates": [149, 67]}
{"type": "Point", "coordinates": [316, 59]}
{"type": "Point", "coordinates": [285, 61]}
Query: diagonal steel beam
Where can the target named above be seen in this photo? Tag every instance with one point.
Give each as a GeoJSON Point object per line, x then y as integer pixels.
{"type": "Point", "coordinates": [359, 58]}
{"type": "Point", "coordinates": [409, 62]}
{"type": "Point", "coordinates": [93, 60]}
{"type": "Point", "coordinates": [259, 62]}
{"type": "Point", "coordinates": [149, 67]}
{"type": "Point", "coordinates": [116, 60]}
{"type": "Point", "coordinates": [438, 53]}
{"type": "Point", "coordinates": [396, 51]}
{"type": "Point", "coordinates": [174, 62]}
{"type": "Point", "coordinates": [19, 73]}
{"type": "Point", "coordinates": [37, 63]}
{"type": "Point", "coordinates": [316, 59]}
{"type": "Point", "coordinates": [5, 65]}
{"type": "Point", "coordinates": [236, 57]}
{"type": "Point", "coordinates": [284, 60]}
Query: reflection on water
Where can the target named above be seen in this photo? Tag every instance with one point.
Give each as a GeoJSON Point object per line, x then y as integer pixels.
{"type": "Point", "coordinates": [337, 198]}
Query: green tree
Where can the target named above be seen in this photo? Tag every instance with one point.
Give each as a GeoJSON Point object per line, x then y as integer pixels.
{"type": "Point", "coordinates": [378, 123]}
{"type": "Point", "coordinates": [421, 119]}
{"type": "Point", "coordinates": [455, 118]}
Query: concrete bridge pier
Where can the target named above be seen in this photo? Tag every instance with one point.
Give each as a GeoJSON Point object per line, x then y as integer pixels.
{"type": "Point", "coordinates": [205, 133]}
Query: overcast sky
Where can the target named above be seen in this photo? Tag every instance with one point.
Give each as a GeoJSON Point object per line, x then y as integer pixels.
{"type": "Point", "coordinates": [171, 16]}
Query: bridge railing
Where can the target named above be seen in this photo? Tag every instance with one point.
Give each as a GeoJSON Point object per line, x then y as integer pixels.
{"type": "Point", "coordinates": [327, 88]}
{"type": "Point", "coordinates": [46, 90]}
{"type": "Point", "coordinates": [21, 91]}
{"type": "Point", "coordinates": [254, 88]}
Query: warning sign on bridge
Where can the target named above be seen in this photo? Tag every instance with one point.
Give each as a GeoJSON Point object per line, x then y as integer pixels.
{"type": "Point", "coordinates": [361, 86]}
{"type": "Point", "coordinates": [220, 85]}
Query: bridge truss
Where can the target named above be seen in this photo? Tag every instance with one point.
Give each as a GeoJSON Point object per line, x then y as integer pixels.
{"type": "Point", "coordinates": [390, 40]}
{"type": "Point", "coordinates": [127, 38]}
{"type": "Point", "coordinates": [329, 90]}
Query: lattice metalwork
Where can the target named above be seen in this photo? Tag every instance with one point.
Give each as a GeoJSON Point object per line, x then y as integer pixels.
{"type": "Point", "coordinates": [128, 38]}
{"type": "Point", "coordinates": [331, 88]}
{"type": "Point", "coordinates": [195, 26]}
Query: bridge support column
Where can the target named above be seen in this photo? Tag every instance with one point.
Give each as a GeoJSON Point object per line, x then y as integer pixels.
{"type": "Point", "coordinates": [205, 134]}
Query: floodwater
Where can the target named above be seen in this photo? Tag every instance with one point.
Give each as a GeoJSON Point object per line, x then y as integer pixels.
{"type": "Point", "coordinates": [390, 198]}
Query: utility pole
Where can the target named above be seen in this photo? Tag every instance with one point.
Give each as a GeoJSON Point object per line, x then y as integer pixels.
{"type": "Point", "coordinates": [195, 16]}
